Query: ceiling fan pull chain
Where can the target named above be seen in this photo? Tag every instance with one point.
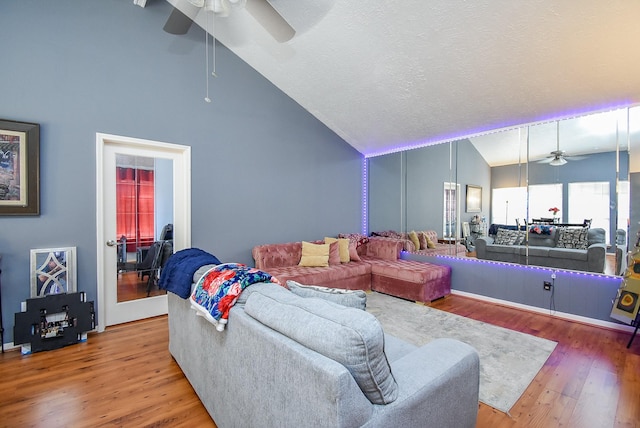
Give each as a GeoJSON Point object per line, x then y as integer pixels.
{"type": "Point", "coordinates": [206, 55]}
{"type": "Point", "coordinates": [213, 47]}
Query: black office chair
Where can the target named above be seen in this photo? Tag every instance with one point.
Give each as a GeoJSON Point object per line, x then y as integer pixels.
{"type": "Point", "coordinates": [160, 252]}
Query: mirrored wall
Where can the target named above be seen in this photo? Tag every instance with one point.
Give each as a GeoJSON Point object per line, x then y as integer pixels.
{"type": "Point", "coordinates": [540, 194]}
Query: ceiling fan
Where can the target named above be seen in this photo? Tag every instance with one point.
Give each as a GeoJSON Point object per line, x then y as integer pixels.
{"type": "Point", "coordinates": [262, 11]}
{"type": "Point", "coordinates": [558, 157]}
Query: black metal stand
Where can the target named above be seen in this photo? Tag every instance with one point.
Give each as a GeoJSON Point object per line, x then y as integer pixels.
{"type": "Point", "coordinates": [636, 322]}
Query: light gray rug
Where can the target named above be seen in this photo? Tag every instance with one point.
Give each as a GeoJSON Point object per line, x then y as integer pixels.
{"type": "Point", "coordinates": [509, 360]}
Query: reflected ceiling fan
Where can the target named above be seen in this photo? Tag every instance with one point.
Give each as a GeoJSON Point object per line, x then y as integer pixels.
{"type": "Point", "coordinates": [263, 11]}
{"type": "Point", "coordinates": [558, 157]}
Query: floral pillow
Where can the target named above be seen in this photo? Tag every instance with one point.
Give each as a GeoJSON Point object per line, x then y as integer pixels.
{"type": "Point", "coordinates": [541, 229]}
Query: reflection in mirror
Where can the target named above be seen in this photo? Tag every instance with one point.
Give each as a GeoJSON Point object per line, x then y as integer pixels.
{"type": "Point", "coordinates": [144, 217]}
{"type": "Point", "coordinates": [554, 178]}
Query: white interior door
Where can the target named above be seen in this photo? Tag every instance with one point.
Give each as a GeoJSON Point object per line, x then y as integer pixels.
{"type": "Point", "coordinates": [112, 309]}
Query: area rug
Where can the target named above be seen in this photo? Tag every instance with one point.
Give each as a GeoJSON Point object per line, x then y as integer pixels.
{"type": "Point", "coordinates": [509, 360]}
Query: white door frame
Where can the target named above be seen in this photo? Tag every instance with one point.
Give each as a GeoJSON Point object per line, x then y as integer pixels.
{"type": "Point", "coordinates": [181, 155]}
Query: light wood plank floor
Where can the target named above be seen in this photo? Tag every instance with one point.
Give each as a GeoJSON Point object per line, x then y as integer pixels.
{"type": "Point", "coordinates": [126, 377]}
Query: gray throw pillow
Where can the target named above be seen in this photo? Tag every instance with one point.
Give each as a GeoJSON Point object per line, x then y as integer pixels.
{"type": "Point", "coordinates": [351, 298]}
{"type": "Point", "coordinates": [352, 337]}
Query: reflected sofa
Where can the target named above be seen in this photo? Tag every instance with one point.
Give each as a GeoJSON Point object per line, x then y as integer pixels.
{"type": "Point", "coordinates": [543, 249]}
{"type": "Point", "coordinates": [424, 243]}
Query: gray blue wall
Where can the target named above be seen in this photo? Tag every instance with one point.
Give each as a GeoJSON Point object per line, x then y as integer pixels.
{"type": "Point", "coordinates": [263, 169]}
{"type": "Point", "coordinates": [423, 172]}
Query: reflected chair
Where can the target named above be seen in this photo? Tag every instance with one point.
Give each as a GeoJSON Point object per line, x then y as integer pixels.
{"type": "Point", "coordinates": [467, 239]}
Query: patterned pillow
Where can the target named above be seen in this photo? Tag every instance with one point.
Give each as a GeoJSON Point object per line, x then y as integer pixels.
{"type": "Point", "coordinates": [573, 238]}
{"type": "Point", "coordinates": [356, 238]}
{"type": "Point", "coordinates": [509, 237]}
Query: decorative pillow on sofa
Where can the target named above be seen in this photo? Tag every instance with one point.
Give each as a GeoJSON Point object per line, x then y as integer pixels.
{"type": "Point", "coordinates": [353, 253]}
{"type": "Point", "coordinates": [352, 337]}
{"type": "Point", "coordinates": [509, 237]}
{"type": "Point", "coordinates": [541, 229]}
{"type": "Point", "coordinates": [343, 245]}
{"type": "Point", "coordinates": [314, 255]}
{"type": "Point", "coordinates": [334, 253]}
{"type": "Point", "coordinates": [422, 238]}
{"type": "Point", "coordinates": [573, 238]}
{"type": "Point", "coordinates": [351, 298]}
{"type": "Point", "coordinates": [355, 238]}
{"type": "Point", "coordinates": [413, 236]}
{"type": "Point", "coordinates": [431, 237]}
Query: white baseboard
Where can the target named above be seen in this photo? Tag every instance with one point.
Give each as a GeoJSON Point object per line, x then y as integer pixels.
{"type": "Point", "coordinates": [563, 315]}
{"type": "Point", "coordinates": [10, 346]}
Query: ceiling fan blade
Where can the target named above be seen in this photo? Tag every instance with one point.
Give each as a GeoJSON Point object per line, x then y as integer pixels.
{"type": "Point", "coordinates": [271, 20]}
{"type": "Point", "coordinates": [177, 23]}
{"type": "Point", "coordinates": [547, 160]}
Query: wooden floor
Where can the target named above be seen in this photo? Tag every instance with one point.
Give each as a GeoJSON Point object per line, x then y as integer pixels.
{"type": "Point", "coordinates": [132, 286]}
{"type": "Point", "coordinates": [126, 377]}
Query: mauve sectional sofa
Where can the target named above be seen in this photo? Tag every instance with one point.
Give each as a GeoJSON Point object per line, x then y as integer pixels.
{"type": "Point", "coordinates": [379, 268]}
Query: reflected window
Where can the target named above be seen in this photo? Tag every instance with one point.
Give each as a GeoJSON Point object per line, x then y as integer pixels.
{"type": "Point", "coordinates": [451, 212]}
{"type": "Point", "coordinates": [508, 204]}
{"type": "Point", "coordinates": [590, 200]}
{"type": "Point", "coordinates": [542, 197]}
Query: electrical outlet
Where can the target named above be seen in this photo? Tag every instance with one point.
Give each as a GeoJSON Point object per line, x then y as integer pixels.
{"type": "Point", "coordinates": [547, 285]}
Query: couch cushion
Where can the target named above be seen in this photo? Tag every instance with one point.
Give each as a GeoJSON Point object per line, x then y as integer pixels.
{"type": "Point", "coordinates": [351, 298]}
{"type": "Point", "coordinates": [314, 254]}
{"type": "Point", "coordinates": [408, 270]}
{"type": "Point", "coordinates": [320, 275]}
{"type": "Point", "coordinates": [349, 336]}
{"type": "Point", "coordinates": [568, 254]}
{"type": "Point", "coordinates": [535, 251]}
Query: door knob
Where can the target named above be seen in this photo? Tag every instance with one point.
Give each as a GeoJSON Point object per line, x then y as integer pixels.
{"type": "Point", "coordinates": [111, 243]}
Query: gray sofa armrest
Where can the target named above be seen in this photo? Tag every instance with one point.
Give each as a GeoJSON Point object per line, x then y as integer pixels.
{"type": "Point", "coordinates": [596, 254]}
{"type": "Point", "coordinates": [481, 246]}
{"type": "Point", "coordinates": [438, 386]}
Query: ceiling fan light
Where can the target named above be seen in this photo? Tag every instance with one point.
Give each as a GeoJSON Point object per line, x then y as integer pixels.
{"type": "Point", "coordinates": [559, 161]}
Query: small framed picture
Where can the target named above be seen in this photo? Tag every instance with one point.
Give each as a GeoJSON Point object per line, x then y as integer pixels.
{"type": "Point", "coordinates": [53, 271]}
{"type": "Point", "coordinates": [474, 198]}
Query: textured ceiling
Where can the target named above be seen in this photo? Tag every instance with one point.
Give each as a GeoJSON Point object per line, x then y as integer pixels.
{"type": "Point", "coordinates": [386, 74]}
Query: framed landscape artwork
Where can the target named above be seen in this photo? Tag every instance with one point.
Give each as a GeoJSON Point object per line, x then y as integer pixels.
{"type": "Point", "coordinates": [19, 168]}
{"type": "Point", "coordinates": [474, 198]}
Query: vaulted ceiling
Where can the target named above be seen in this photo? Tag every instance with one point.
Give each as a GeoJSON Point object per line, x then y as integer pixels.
{"type": "Point", "coordinates": [390, 74]}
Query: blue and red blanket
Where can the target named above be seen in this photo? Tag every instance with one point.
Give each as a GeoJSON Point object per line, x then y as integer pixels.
{"type": "Point", "coordinates": [218, 290]}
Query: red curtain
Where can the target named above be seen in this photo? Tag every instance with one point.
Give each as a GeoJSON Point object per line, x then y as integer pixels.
{"type": "Point", "coordinates": [135, 203]}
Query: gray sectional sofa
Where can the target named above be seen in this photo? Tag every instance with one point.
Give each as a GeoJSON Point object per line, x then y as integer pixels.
{"type": "Point", "coordinates": [543, 250]}
{"type": "Point", "coordinates": [290, 361]}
